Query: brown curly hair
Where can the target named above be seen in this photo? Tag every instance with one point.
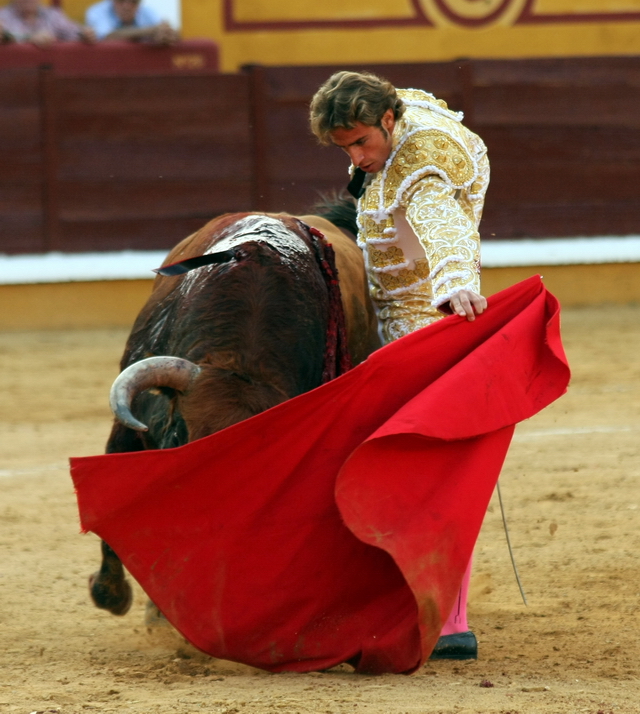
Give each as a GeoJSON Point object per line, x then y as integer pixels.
{"type": "Point", "coordinates": [350, 97]}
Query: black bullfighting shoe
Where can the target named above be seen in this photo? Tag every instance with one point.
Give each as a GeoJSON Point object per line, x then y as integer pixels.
{"type": "Point", "coordinates": [461, 645]}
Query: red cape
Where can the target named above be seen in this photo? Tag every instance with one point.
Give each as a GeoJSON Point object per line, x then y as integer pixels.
{"type": "Point", "coordinates": [336, 526]}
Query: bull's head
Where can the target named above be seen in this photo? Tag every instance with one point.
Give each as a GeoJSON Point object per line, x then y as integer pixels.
{"type": "Point", "coordinates": [153, 372]}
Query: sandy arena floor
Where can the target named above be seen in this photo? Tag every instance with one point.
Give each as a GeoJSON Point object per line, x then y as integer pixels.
{"type": "Point", "coordinates": [572, 496]}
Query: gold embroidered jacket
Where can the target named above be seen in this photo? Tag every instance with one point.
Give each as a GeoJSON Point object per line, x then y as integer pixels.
{"type": "Point", "coordinates": [418, 217]}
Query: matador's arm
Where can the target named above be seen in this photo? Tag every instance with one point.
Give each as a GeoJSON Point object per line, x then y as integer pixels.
{"type": "Point", "coordinates": [448, 235]}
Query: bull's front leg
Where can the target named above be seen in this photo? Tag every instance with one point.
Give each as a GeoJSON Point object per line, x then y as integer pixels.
{"type": "Point", "coordinates": [109, 588]}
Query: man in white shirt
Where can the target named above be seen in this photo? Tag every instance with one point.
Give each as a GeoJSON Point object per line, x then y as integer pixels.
{"type": "Point", "coordinates": [129, 20]}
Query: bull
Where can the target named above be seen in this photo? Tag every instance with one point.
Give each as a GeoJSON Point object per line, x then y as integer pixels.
{"type": "Point", "coordinates": [249, 328]}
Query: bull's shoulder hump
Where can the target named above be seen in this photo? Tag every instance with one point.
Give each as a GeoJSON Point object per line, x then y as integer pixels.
{"type": "Point", "coordinates": [332, 233]}
{"type": "Point", "coordinates": [179, 250]}
{"type": "Point", "coordinates": [322, 224]}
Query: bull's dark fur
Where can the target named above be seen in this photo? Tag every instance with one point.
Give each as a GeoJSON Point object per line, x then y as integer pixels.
{"type": "Point", "coordinates": [257, 328]}
{"type": "Point", "coordinates": [340, 209]}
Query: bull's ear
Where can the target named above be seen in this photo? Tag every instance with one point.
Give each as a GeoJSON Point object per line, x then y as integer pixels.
{"type": "Point", "coordinates": [184, 266]}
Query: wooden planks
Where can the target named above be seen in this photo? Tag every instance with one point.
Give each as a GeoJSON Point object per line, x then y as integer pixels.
{"type": "Point", "coordinates": [116, 58]}
{"type": "Point", "coordinates": [562, 136]}
{"type": "Point", "coordinates": [564, 142]}
{"type": "Point", "coordinates": [145, 160]}
{"type": "Point", "coordinates": [21, 162]}
{"type": "Point", "coordinates": [132, 161]}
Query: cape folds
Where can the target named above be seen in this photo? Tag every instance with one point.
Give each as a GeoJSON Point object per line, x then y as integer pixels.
{"type": "Point", "coordinates": [336, 526]}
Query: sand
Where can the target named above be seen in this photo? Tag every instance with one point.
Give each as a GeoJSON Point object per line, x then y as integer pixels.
{"type": "Point", "coordinates": [571, 493]}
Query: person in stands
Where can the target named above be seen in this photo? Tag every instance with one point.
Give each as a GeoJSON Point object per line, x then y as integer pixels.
{"type": "Point", "coordinates": [129, 20]}
{"type": "Point", "coordinates": [30, 21]}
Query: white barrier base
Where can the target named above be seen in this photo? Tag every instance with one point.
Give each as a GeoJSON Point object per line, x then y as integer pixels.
{"type": "Point", "coordinates": [138, 265]}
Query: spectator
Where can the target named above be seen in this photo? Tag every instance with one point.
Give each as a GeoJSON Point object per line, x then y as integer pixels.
{"type": "Point", "coordinates": [129, 20]}
{"type": "Point", "coordinates": [5, 36]}
{"type": "Point", "coordinates": [29, 21]}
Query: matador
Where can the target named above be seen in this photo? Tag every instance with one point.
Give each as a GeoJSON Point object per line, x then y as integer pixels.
{"type": "Point", "coordinates": [420, 177]}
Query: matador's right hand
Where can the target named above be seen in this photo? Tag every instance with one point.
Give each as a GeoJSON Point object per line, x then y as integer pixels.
{"type": "Point", "coordinates": [467, 304]}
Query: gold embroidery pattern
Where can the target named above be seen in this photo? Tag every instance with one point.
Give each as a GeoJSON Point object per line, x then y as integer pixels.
{"type": "Point", "coordinates": [369, 229]}
{"type": "Point", "coordinates": [381, 259]}
{"type": "Point", "coordinates": [443, 218]}
{"type": "Point", "coordinates": [404, 278]}
{"type": "Point", "coordinates": [403, 316]}
{"type": "Point", "coordinates": [429, 147]}
{"type": "Point", "coordinates": [445, 232]}
{"type": "Point", "coordinates": [394, 329]}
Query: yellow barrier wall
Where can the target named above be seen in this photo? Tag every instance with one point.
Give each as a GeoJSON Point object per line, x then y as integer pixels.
{"type": "Point", "coordinates": [289, 32]}
{"type": "Point", "coordinates": [116, 303]}
{"type": "Point", "coordinates": [76, 9]}
{"type": "Point", "coordinates": [361, 32]}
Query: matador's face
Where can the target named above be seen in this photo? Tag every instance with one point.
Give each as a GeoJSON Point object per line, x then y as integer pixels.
{"type": "Point", "coordinates": [368, 146]}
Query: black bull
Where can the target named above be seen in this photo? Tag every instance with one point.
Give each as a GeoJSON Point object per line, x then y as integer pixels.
{"type": "Point", "coordinates": [225, 341]}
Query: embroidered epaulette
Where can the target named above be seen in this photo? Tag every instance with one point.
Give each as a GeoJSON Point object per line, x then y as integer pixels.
{"type": "Point", "coordinates": [420, 98]}
{"type": "Point", "coordinates": [428, 151]}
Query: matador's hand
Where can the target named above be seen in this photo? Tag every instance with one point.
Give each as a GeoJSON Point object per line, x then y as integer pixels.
{"type": "Point", "coordinates": [468, 304]}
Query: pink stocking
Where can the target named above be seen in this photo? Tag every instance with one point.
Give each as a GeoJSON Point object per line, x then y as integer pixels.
{"type": "Point", "coordinates": [457, 620]}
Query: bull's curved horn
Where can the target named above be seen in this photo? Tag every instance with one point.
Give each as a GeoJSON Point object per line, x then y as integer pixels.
{"type": "Point", "coordinates": [171, 372]}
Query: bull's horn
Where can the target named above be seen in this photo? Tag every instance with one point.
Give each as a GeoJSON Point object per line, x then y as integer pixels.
{"type": "Point", "coordinates": [171, 372]}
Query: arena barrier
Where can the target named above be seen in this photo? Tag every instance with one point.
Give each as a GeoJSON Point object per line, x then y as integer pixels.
{"type": "Point", "coordinates": [107, 289]}
{"type": "Point", "coordinates": [133, 162]}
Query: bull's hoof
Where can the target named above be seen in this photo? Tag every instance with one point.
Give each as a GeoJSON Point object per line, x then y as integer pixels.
{"type": "Point", "coordinates": [116, 597]}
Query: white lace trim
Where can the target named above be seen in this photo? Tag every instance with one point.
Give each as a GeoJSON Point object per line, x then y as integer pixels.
{"type": "Point", "coordinates": [445, 261]}
{"type": "Point", "coordinates": [450, 276]}
{"type": "Point", "coordinates": [390, 268]}
{"type": "Point", "coordinates": [375, 241]}
{"type": "Point", "coordinates": [425, 104]}
{"type": "Point", "coordinates": [405, 289]}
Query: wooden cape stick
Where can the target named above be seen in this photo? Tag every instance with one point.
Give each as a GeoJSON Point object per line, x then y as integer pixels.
{"type": "Point", "coordinates": [506, 532]}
